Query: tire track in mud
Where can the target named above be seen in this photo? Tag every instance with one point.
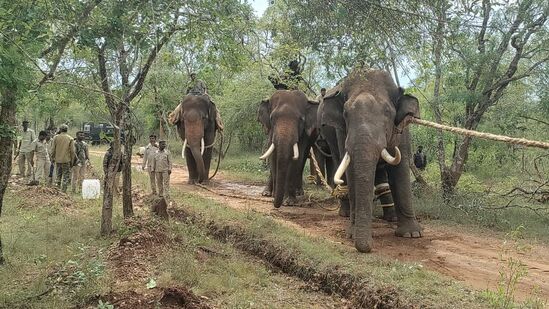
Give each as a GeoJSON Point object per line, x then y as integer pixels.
{"type": "Point", "coordinates": [474, 259]}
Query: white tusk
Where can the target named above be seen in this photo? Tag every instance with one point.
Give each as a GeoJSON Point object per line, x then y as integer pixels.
{"type": "Point", "coordinates": [183, 148]}
{"type": "Point", "coordinates": [202, 146]}
{"type": "Point", "coordinates": [268, 153]}
{"type": "Point", "coordinates": [389, 158]}
{"type": "Point", "coordinates": [296, 152]}
{"type": "Point", "coordinates": [342, 168]}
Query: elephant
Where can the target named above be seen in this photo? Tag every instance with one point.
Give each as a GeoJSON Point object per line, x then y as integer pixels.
{"type": "Point", "coordinates": [364, 121]}
{"type": "Point", "coordinates": [289, 118]}
{"type": "Point", "coordinates": [195, 118]}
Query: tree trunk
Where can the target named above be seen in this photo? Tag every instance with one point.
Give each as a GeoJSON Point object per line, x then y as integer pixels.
{"type": "Point", "coordinates": [127, 203]}
{"type": "Point", "coordinates": [438, 39]}
{"type": "Point", "coordinates": [7, 137]}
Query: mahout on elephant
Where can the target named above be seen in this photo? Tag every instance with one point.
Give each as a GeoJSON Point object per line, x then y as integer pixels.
{"type": "Point", "coordinates": [289, 119]}
{"type": "Point", "coordinates": [364, 119]}
{"type": "Point", "coordinates": [196, 120]}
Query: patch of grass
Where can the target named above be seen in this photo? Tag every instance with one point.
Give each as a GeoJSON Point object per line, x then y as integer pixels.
{"type": "Point", "coordinates": [51, 250]}
{"type": "Point", "coordinates": [471, 209]}
{"type": "Point", "coordinates": [413, 283]}
{"type": "Point", "coordinates": [245, 166]}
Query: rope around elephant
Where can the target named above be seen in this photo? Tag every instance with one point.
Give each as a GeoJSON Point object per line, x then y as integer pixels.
{"type": "Point", "coordinates": [483, 135]}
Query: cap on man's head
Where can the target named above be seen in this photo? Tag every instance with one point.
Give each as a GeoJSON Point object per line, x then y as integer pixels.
{"type": "Point", "coordinates": [25, 121]}
{"type": "Point", "coordinates": [63, 128]}
{"type": "Point", "coordinates": [162, 141]}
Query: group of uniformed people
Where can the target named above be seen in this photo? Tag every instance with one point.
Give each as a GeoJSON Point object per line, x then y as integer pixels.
{"type": "Point", "coordinates": [157, 162]}
{"type": "Point", "coordinates": [43, 157]}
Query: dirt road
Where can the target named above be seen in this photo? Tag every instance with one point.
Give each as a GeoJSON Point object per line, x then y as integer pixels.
{"type": "Point", "coordinates": [473, 258]}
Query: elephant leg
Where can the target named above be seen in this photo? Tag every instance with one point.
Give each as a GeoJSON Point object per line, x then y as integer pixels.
{"type": "Point", "coordinates": [268, 190]}
{"type": "Point", "coordinates": [383, 193]}
{"type": "Point", "coordinates": [293, 183]}
{"type": "Point", "coordinates": [330, 171]}
{"type": "Point", "coordinates": [207, 161]}
{"type": "Point", "coordinates": [191, 167]}
{"type": "Point", "coordinates": [399, 181]}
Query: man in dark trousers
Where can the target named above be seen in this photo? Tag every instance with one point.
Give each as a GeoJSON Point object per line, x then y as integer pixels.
{"type": "Point", "coordinates": [420, 159]}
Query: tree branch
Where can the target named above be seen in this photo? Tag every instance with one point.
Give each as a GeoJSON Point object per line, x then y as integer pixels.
{"type": "Point", "coordinates": [140, 77]}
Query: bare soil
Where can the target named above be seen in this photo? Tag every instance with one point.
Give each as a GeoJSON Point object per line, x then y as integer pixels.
{"type": "Point", "coordinates": [470, 257]}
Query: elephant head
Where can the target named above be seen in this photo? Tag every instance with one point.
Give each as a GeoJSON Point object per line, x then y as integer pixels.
{"type": "Point", "coordinates": [196, 127]}
{"type": "Point", "coordinates": [371, 110]}
{"type": "Point", "coordinates": [290, 121]}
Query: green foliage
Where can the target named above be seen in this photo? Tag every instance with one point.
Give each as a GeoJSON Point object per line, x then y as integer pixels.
{"type": "Point", "coordinates": [104, 305]}
{"type": "Point", "coordinates": [511, 272]}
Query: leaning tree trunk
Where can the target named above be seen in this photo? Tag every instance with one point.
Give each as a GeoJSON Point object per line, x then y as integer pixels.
{"type": "Point", "coordinates": [7, 114]}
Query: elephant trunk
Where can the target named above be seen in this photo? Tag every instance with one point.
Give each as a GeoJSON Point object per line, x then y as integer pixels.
{"type": "Point", "coordinates": [200, 167]}
{"type": "Point", "coordinates": [195, 141]}
{"type": "Point", "coordinates": [361, 175]}
{"type": "Point", "coordinates": [282, 165]}
{"type": "Point", "coordinates": [286, 152]}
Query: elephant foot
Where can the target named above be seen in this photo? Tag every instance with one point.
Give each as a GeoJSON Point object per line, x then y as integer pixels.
{"type": "Point", "coordinates": [290, 201]}
{"type": "Point", "coordinates": [389, 214]}
{"type": "Point", "coordinates": [204, 182]}
{"type": "Point", "coordinates": [267, 192]}
{"type": "Point", "coordinates": [364, 244]}
{"type": "Point", "coordinates": [299, 192]}
{"type": "Point", "coordinates": [192, 181]}
{"type": "Point", "coordinates": [408, 228]}
{"type": "Point", "coordinates": [344, 210]}
{"type": "Point", "coordinates": [349, 231]}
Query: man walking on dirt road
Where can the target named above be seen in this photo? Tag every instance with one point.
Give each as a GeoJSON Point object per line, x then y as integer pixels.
{"type": "Point", "coordinates": [63, 154]}
{"type": "Point", "coordinates": [81, 163]}
{"type": "Point", "coordinates": [163, 168]}
{"type": "Point", "coordinates": [148, 161]}
{"type": "Point", "coordinates": [24, 150]}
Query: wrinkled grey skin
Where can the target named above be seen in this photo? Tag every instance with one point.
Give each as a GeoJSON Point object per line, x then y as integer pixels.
{"type": "Point", "coordinates": [197, 121]}
{"type": "Point", "coordinates": [289, 118]}
{"type": "Point", "coordinates": [360, 117]}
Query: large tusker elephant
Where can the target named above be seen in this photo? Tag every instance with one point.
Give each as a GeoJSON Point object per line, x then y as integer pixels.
{"type": "Point", "coordinates": [364, 119]}
{"type": "Point", "coordinates": [196, 126]}
{"type": "Point", "coordinates": [290, 120]}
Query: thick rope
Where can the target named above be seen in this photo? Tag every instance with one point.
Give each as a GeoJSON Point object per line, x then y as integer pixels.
{"type": "Point", "coordinates": [219, 157]}
{"type": "Point", "coordinates": [318, 172]}
{"type": "Point", "coordinates": [322, 180]}
{"type": "Point", "coordinates": [489, 136]}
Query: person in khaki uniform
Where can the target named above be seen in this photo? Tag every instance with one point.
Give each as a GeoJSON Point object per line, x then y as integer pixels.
{"type": "Point", "coordinates": [81, 163]}
{"type": "Point", "coordinates": [42, 162]}
{"type": "Point", "coordinates": [163, 168]}
{"type": "Point", "coordinates": [148, 161]}
{"type": "Point", "coordinates": [24, 150]}
{"type": "Point", "coordinates": [62, 153]}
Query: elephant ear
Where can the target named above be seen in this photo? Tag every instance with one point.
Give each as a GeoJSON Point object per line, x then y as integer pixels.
{"type": "Point", "coordinates": [406, 105]}
{"type": "Point", "coordinates": [212, 114]}
{"type": "Point", "coordinates": [310, 118]}
{"type": "Point", "coordinates": [264, 114]}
